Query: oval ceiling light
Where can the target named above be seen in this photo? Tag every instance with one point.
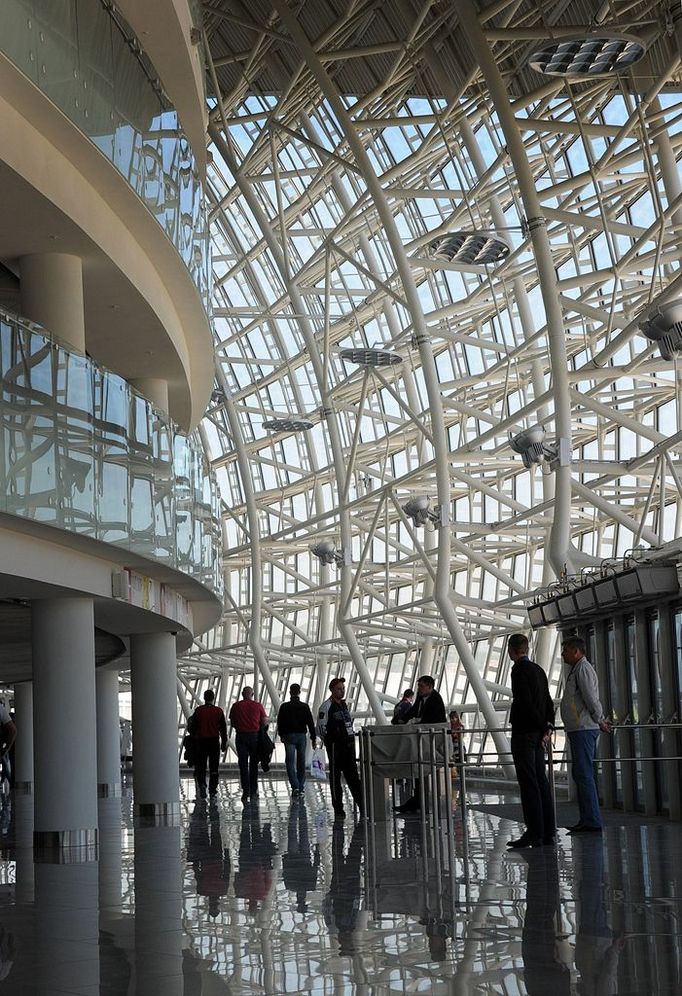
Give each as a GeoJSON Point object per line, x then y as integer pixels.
{"type": "Point", "coordinates": [469, 248]}
{"type": "Point", "coordinates": [587, 55]}
{"type": "Point", "coordinates": [288, 424]}
{"type": "Point", "coordinates": [371, 357]}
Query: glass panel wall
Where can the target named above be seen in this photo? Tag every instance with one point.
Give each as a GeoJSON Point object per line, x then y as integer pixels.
{"type": "Point", "coordinates": [83, 56]}
{"type": "Point", "coordinates": [80, 450]}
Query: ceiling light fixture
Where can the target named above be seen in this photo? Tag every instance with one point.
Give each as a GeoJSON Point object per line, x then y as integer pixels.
{"type": "Point", "coordinates": [371, 357]}
{"type": "Point", "coordinates": [469, 248]}
{"type": "Point", "coordinates": [326, 552]}
{"type": "Point", "coordinates": [663, 325]}
{"type": "Point", "coordinates": [533, 449]}
{"type": "Point", "coordinates": [587, 55]}
{"type": "Point", "coordinates": [419, 510]}
{"type": "Point", "coordinates": [288, 423]}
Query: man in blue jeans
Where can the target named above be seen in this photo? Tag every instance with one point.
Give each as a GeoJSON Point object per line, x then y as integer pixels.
{"type": "Point", "coordinates": [583, 719]}
{"type": "Point", "coordinates": [293, 720]}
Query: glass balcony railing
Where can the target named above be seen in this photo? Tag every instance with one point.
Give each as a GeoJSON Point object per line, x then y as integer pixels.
{"type": "Point", "coordinates": [82, 56]}
{"type": "Point", "coordinates": [80, 450]}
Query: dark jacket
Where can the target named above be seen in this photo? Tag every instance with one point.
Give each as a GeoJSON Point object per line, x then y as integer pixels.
{"type": "Point", "coordinates": [427, 709]}
{"type": "Point", "coordinates": [295, 717]}
{"type": "Point", "coordinates": [532, 709]}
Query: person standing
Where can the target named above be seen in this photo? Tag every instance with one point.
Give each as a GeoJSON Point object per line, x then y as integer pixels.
{"type": "Point", "coordinates": [532, 721]}
{"type": "Point", "coordinates": [293, 720]}
{"type": "Point", "coordinates": [583, 719]}
{"type": "Point", "coordinates": [429, 708]}
{"type": "Point", "coordinates": [247, 718]}
{"type": "Point", "coordinates": [402, 708]}
{"type": "Point", "coordinates": [209, 731]}
{"type": "Point", "coordinates": [335, 727]}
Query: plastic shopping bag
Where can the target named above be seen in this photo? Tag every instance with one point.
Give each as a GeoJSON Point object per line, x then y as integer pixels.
{"type": "Point", "coordinates": [318, 768]}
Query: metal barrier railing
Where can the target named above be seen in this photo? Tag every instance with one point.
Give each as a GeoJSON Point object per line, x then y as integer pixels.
{"type": "Point", "coordinates": [434, 756]}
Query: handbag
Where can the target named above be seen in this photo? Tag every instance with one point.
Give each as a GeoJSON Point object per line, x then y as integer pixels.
{"type": "Point", "coordinates": [265, 748]}
{"type": "Point", "coordinates": [318, 767]}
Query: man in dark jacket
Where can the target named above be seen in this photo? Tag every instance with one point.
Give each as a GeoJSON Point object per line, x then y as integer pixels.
{"type": "Point", "coordinates": [293, 720]}
{"type": "Point", "coordinates": [429, 708]}
{"type": "Point", "coordinates": [207, 726]}
{"type": "Point", "coordinates": [532, 721]}
{"type": "Point", "coordinates": [335, 726]}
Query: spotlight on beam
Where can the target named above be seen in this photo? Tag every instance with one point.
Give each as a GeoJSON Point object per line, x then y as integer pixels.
{"type": "Point", "coordinates": [326, 552]}
{"type": "Point", "coordinates": [419, 510]}
{"type": "Point", "coordinates": [533, 448]}
{"type": "Point", "coordinates": [663, 325]}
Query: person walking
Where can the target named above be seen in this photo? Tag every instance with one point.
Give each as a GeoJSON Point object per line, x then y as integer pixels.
{"type": "Point", "coordinates": [532, 722]}
{"type": "Point", "coordinates": [208, 729]}
{"type": "Point", "coordinates": [247, 718]}
{"type": "Point", "coordinates": [335, 727]}
{"type": "Point", "coordinates": [583, 719]}
{"type": "Point", "coordinates": [294, 719]}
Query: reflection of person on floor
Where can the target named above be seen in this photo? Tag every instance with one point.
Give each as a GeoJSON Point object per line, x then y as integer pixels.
{"type": "Point", "coordinates": [544, 946]}
{"type": "Point", "coordinates": [210, 860]}
{"type": "Point", "coordinates": [342, 903]}
{"type": "Point", "coordinates": [299, 870]}
{"type": "Point", "coordinates": [253, 881]}
{"type": "Point", "coordinates": [597, 950]}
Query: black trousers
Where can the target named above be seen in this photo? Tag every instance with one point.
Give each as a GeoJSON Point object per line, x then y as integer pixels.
{"type": "Point", "coordinates": [342, 761]}
{"type": "Point", "coordinates": [207, 751]}
{"type": "Point", "coordinates": [536, 796]}
{"type": "Point", "coordinates": [247, 756]}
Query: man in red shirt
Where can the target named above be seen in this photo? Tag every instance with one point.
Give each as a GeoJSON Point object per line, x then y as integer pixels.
{"type": "Point", "coordinates": [207, 725]}
{"type": "Point", "coordinates": [247, 718]}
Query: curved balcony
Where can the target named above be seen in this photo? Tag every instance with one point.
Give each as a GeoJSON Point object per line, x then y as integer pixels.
{"type": "Point", "coordinates": [83, 57]}
{"type": "Point", "coordinates": [80, 450]}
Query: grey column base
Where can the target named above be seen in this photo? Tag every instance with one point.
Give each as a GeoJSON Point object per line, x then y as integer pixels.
{"type": "Point", "coordinates": [65, 847]}
{"type": "Point", "coordinates": [23, 788]}
{"type": "Point", "coordinates": [106, 790]}
{"type": "Point", "coordinates": [163, 814]}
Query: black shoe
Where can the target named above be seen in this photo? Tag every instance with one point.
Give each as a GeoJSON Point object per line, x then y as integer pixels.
{"type": "Point", "coordinates": [245, 796]}
{"type": "Point", "coordinates": [521, 844]}
{"type": "Point", "coordinates": [576, 826]}
{"type": "Point", "coordinates": [585, 829]}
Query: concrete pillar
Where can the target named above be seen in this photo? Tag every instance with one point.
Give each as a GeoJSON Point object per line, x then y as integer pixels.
{"type": "Point", "coordinates": [64, 736]}
{"type": "Point", "coordinates": [67, 923]}
{"type": "Point", "coordinates": [23, 842]}
{"type": "Point", "coordinates": [154, 389]}
{"type": "Point", "coordinates": [23, 747]}
{"type": "Point", "coordinates": [110, 859]}
{"type": "Point", "coordinates": [158, 910]}
{"type": "Point", "coordinates": [52, 295]}
{"type": "Point", "coordinates": [156, 773]}
{"type": "Point", "coordinates": [108, 734]}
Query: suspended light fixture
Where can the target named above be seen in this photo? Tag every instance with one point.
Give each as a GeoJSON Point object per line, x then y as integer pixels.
{"type": "Point", "coordinates": [371, 357]}
{"type": "Point", "coordinates": [663, 325]}
{"type": "Point", "coordinates": [533, 449]}
{"type": "Point", "coordinates": [597, 54]}
{"type": "Point", "coordinates": [288, 423]}
{"type": "Point", "coordinates": [419, 510]}
{"type": "Point", "coordinates": [469, 248]}
{"type": "Point", "coordinates": [326, 552]}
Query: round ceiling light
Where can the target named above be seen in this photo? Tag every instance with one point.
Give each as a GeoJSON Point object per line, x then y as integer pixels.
{"type": "Point", "coordinates": [591, 55]}
{"type": "Point", "coordinates": [469, 248]}
{"type": "Point", "coordinates": [288, 424]}
{"type": "Point", "coordinates": [371, 357]}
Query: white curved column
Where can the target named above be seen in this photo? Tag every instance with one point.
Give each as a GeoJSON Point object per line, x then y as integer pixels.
{"type": "Point", "coordinates": [156, 774]}
{"type": "Point", "coordinates": [108, 734]}
{"type": "Point", "coordinates": [23, 746]}
{"type": "Point", "coordinates": [559, 551]}
{"type": "Point", "coordinates": [443, 593]}
{"type": "Point", "coordinates": [64, 736]}
{"type": "Point", "coordinates": [52, 295]}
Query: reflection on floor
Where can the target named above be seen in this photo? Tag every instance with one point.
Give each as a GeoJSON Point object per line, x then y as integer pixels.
{"type": "Point", "coordinates": [273, 897]}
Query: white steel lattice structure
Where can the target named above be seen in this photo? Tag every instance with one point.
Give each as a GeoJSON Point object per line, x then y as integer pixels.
{"type": "Point", "coordinates": [351, 143]}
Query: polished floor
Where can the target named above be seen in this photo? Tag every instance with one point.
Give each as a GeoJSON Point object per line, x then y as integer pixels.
{"type": "Point", "coordinates": [273, 897]}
